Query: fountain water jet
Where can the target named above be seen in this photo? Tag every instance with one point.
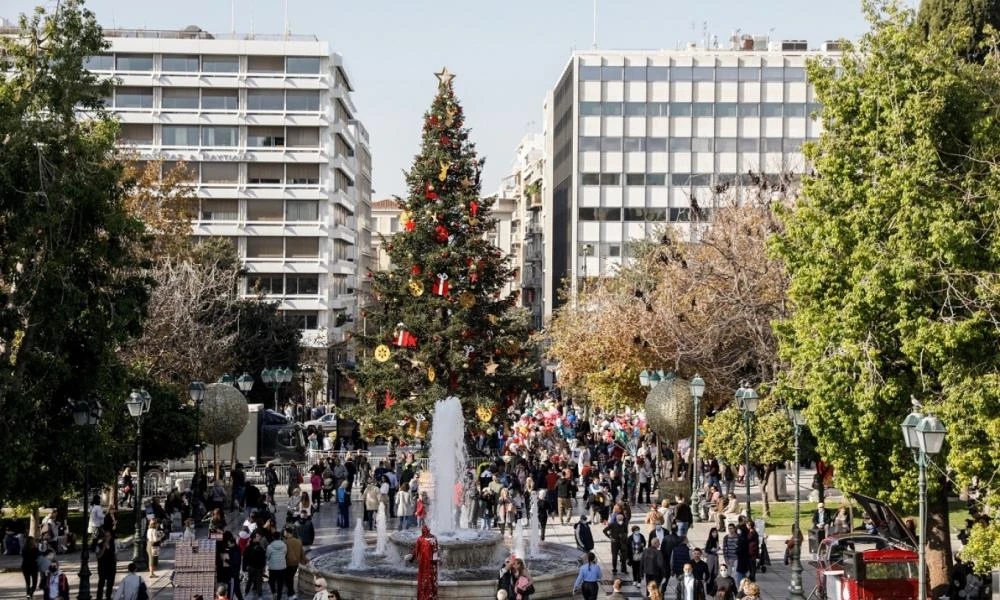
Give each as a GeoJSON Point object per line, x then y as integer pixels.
{"type": "Point", "coordinates": [358, 549]}
{"type": "Point", "coordinates": [535, 532]}
{"type": "Point", "coordinates": [382, 538]}
{"type": "Point", "coordinates": [517, 543]}
{"type": "Point", "coordinates": [447, 462]}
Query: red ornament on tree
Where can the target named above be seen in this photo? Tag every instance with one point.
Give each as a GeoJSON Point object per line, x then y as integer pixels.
{"type": "Point", "coordinates": [433, 120]}
{"type": "Point", "coordinates": [474, 208]}
{"type": "Point", "coordinates": [429, 192]}
{"type": "Point", "coordinates": [403, 338]}
{"type": "Point", "coordinates": [389, 400]}
{"type": "Point", "coordinates": [415, 270]}
{"type": "Point", "coordinates": [441, 286]}
{"type": "Point", "coordinates": [410, 225]}
{"type": "Point", "coordinates": [445, 140]}
{"type": "Point", "coordinates": [441, 233]}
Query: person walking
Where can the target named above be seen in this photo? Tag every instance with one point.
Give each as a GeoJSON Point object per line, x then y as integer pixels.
{"type": "Point", "coordinates": [730, 548]}
{"type": "Point", "coordinates": [107, 564]}
{"type": "Point", "coordinates": [295, 556]}
{"type": "Point", "coordinates": [232, 566]}
{"type": "Point", "coordinates": [131, 584]}
{"type": "Point", "coordinates": [616, 591]}
{"type": "Point", "coordinates": [589, 578]}
{"type": "Point", "coordinates": [29, 566]}
{"type": "Point", "coordinates": [542, 507]}
{"type": "Point", "coordinates": [725, 586]}
{"type": "Point", "coordinates": [405, 507]}
{"type": "Point", "coordinates": [654, 568]}
{"type": "Point", "coordinates": [565, 490]}
{"type": "Point", "coordinates": [617, 532]}
{"type": "Point", "coordinates": [683, 517]}
{"type": "Point", "coordinates": [343, 505]}
{"type": "Point", "coordinates": [635, 546]}
{"type": "Point", "coordinates": [584, 537]}
{"type": "Point", "coordinates": [55, 586]}
{"type": "Point", "coordinates": [255, 559]}
{"type": "Point", "coordinates": [277, 561]}
{"type": "Point", "coordinates": [689, 588]}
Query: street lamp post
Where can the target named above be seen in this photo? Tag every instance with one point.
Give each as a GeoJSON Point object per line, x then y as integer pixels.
{"type": "Point", "coordinates": [925, 437]}
{"type": "Point", "coordinates": [795, 591]}
{"type": "Point", "coordinates": [86, 414]}
{"type": "Point", "coordinates": [138, 406]}
{"type": "Point", "coordinates": [274, 379]}
{"type": "Point", "coordinates": [697, 388]}
{"type": "Point", "coordinates": [197, 393]}
{"type": "Point", "coordinates": [747, 398]}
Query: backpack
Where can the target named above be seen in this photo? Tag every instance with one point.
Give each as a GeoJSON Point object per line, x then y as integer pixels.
{"type": "Point", "coordinates": [143, 593]}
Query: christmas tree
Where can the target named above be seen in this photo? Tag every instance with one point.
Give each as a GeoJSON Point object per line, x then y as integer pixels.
{"type": "Point", "coordinates": [439, 324]}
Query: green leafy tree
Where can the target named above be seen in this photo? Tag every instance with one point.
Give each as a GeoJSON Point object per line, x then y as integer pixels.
{"type": "Point", "coordinates": [937, 16]}
{"type": "Point", "coordinates": [893, 254]}
{"type": "Point", "coordinates": [72, 283]}
{"type": "Point", "coordinates": [771, 439]}
{"type": "Point", "coordinates": [467, 342]}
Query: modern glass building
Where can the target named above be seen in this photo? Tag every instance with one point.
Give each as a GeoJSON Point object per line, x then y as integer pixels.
{"type": "Point", "coordinates": [637, 139]}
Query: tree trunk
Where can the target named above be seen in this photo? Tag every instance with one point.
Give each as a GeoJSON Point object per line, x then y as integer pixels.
{"type": "Point", "coordinates": [774, 485]}
{"type": "Point", "coordinates": [939, 559]}
{"type": "Point", "coordinates": [33, 522]}
{"type": "Point", "coordinates": [768, 472]}
{"type": "Point", "coordinates": [215, 454]}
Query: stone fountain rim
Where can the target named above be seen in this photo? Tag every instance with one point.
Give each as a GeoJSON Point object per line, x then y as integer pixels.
{"type": "Point", "coordinates": [403, 538]}
{"type": "Point", "coordinates": [327, 549]}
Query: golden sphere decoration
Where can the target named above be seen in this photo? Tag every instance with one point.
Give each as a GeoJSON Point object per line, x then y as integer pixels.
{"type": "Point", "coordinates": [467, 300]}
{"type": "Point", "coordinates": [382, 353]}
{"type": "Point", "coordinates": [416, 287]}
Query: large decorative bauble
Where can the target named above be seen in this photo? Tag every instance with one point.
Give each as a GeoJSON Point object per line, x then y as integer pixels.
{"type": "Point", "coordinates": [224, 414]}
{"type": "Point", "coordinates": [670, 410]}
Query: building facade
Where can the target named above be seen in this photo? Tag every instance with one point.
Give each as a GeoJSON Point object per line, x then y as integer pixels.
{"type": "Point", "coordinates": [280, 164]}
{"type": "Point", "coordinates": [385, 217]}
{"type": "Point", "coordinates": [639, 140]}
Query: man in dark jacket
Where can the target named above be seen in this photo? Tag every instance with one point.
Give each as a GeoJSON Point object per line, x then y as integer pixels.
{"type": "Point", "coordinates": [670, 542]}
{"type": "Point", "coordinates": [255, 559]}
{"type": "Point", "coordinates": [683, 516]}
{"type": "Point", "coordinates": [635, 546]}
{"type": "Point", "coordinates": [583, 535]}
{"type": "Point", "coordinates": [617, 532]}
{"type": "Point", "coordinates": [653, 565]}
{"type": "Point", "coordinates": [680, 557]}
{"type": "Point", "coordinates": [565, 490]}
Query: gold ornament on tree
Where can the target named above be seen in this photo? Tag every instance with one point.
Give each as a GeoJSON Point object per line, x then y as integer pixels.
{"type": "Point", "coordinates": [416, 287]}
{"type": "Point", "coordinates": [484, 414]}
{"type": "Point", "coordinates": [382, 353]}
{"type": "Point", "coordinates": [444, 166]}
{"type": "Point", "coordinates": [431, 374]}
{"type": "Point", "coordinates": [467, 300]}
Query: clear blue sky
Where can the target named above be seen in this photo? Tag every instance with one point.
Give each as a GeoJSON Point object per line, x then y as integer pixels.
{"type": "Point", "coordinates": [506, 53]}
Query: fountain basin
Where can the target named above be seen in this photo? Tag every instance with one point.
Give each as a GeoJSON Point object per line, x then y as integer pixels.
{"type": "Point", "coordinates": [460, 550]}
{"type": "Point", "coordinates": [386, 578]}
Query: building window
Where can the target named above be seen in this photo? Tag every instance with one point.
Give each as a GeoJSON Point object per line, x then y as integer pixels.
{"type": "Point", "coordinates": [701, 144]}
{"type": "Point", "coordinates": [134, 62]}
{"type": "Point", "coordinates": [302, 319]}
{"type": "Point", "coordinates": [590, 179]}
{"type": "Point", "coordinates": [635, 73]}
{"type": "Point", "coordinates": [338, 285]}
{"type": "Point", "coordinates": [265, 100]}
{"type": "Point", "coordinates": [301, 210]}
{"type": "Point", "coordinates": [590, 73]}
{"type": "Point", "coordinates": [726, 109]}
{"type": "Point", "coordinates": [302, 100]}
{"type": "Point", "coordinates": [791, 144]}
{"type": "Point", "coordinates": [265, 64]}
{"type": "Point", "coordinates": [680, 109]}
{"type": "Point", "coordinates": [219, 210]}
{"type": "Point", "coordinates": [701, 179]}
{"type": "Point", "coordinates": [704, 109]}
{"type": "Point", "coordinates": [773, 74]}
{"type": "Point", "coordinates": [302, 174]}
{"type": "Point", "coordinates": [301, 247]}
{"type": "Point", "coordinates": [680, 74]}
{"type": "Point", "coordinates": [726, 74]}
{"type": "Point", "coordinates": [656, 178]}
{"type": "Point", "coordinates": [749, 73]}
{"type": "Point", "coordinates": [135, 134]}
{"type": "Point", "coordinates": [725, 145]}
{"type": "Point", "coordinates": [656, 144]}
{"type": "Point", "coordinates": [133, 97]}
{"type": "Point", "coordinates": [682, 214]}
{"type": "Point", "coordinates": [590, 109]}
{"type": "Point", "coordinates": [614, 250]}
{"type": "Point", "coordinates": [179, 98]}
{"type": "Point", "coordinates": [749, 145]}
{"type": "Point", "coordinates": [635, 144]}
{"type": "Point", "coordinates": [304, 65]}
{"type": "Point", "coordinates": [220, 136]}
{"type": "Point", "coordinates": [179, 135]}
{"type": "Point", "coordinates": [795, 110]}
{"type": "Point", "coordinates": [611, 144]}
{"type": "Point", "coordinates": [304, 137]}
{"type": "Point", "coordinates": [703, 73]}
{"type": "Point", "coordinates": [220, 99]}
{"type": "Point", "coordinates": [265, 173]}
{"type": "Point", "coordinates": [635, 109]}
{"type": "Point", "coordinates": [635, 179]}
{"type": "Point", "coordinates": [795, 74]}
{"type": "Point", "coordinates": [748, 110]}
{"type": "Point", "coordinates": [302, 285]}
{"type": "Point", "coordinates": [264, 247]}
{"type": "Point", "coordinates": [180, 63]}
{"type": "Point", "coordinates": [612, 73]}
{"type": "Point", "coordinates": [772, 144]}
{"type": "Point", "coordinates": [611, 109]}
{"type": "Point", "coordinates": [657, 73]}
{"type": "Point", "coordinates": [265, 283]}
{"type": "Point", "coordinates": [611, 179]}
{"type": "Point", "coordinates": [341, 181]}
{"type": "Point", "coordinates": [220, 172]}
{"type": "Point", "coordinates": [99, 62]}
{"type": "Point", "coordinates": [772, 109]}
{"type": "Point", "coordinates": [265, 137]}
{"type": "Point", "coordinates": [680, 144]}
{"type": "Point", "coordinates": [220, 64]}
{"type": "Point", "coordinates": [264, 210]}
{"type": "Point", "coordinates": [645, 214]}
{"type": "Point", "coordinates": [187, 174]}
{"type": "Point", "coordinates": [657, 109]}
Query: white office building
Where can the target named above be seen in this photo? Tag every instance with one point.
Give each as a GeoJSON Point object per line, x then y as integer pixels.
{"type": "Point", "coordinates": [279, 162]}
{"type": "Point", "coordinates": [638, 139]}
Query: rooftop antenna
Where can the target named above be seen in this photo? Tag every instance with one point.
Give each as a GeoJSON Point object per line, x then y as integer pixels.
{"type": "Point", "coordinates": [595, 24]}
{"type": "Point", "coordinates": [704, 34]}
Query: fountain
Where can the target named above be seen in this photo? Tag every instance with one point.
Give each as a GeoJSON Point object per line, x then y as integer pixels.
{"type": "Point", "coordinates": [382, 535]}
{"type": "Point", "coordinates": [535, 532]}
{"type": "Point", "coordinates": [470, 558]}
{"type": "Point", "coordinates": [517, 542]}
{"type": "Point", "coordinates": [358, 549]}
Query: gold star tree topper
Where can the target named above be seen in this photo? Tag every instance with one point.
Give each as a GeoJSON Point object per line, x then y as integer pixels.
{"type": "Point", "coordinates": [445, 76]}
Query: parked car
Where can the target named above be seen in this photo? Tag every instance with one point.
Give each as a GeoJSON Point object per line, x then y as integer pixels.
{"type": "Point", "coordinates": [869, 566]}
{"type": "Point", "coordinates": [327, 423]}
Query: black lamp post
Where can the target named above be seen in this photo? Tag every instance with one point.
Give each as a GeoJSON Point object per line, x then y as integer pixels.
{"type": "Point", "coordinates": [86, 414]}
{"type": "Point", "coordinates": [925, 437]}
{"type": "Point", "coordinates": [274, 379]}
{"type": "Point", "coordinates": [697, 389]}
{"type": "Point", "coordinates": [747, 398]}
{"type": "Point", "coordinates": [138, 406]}
{"type": "Point", "coordinates": [795, 592]}
{"type": "Point", "coordinates": [197, 393]}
